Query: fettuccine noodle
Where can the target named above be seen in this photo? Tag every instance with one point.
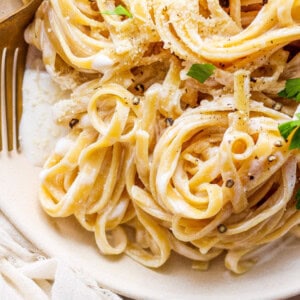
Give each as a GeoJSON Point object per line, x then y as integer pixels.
{"type": "Point", "coordinates": [154, 160]}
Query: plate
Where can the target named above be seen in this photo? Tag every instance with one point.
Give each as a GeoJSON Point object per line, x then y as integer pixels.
{"type": "Point", "coordinates": [275, 276]}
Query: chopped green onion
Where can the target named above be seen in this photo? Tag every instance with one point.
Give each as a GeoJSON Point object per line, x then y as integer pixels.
{"type": "Point", "coordinates": [201, 72]}
{"type": "Point", "coordinates": [119, 10]}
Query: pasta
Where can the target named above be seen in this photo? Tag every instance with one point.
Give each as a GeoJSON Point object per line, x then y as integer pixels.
{"type": "Point", "coordinates": [156, 161]}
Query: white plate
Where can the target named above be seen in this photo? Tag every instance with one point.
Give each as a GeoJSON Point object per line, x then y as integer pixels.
{"type": "Point", "coordinates": [277, 276]}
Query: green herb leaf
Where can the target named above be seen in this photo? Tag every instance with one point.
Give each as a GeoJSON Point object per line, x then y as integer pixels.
{"type": "Point", "coordinates": [295, 142]}
{"type": "Point", "coordinates": [286, 129]}
{"type": "Point", "coordinates": [201, 72]}
{"type": "Point", "coordinates": [298, 200]}
{"type": "Point", "coordinates": [119, 10]}
{"type": "Point", "coordinates": [291, 90]}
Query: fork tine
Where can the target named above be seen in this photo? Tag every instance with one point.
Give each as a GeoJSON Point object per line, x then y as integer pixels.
{"type": "Point", "coordinates": [11, 78]}
{"type": "Point", "coordinates": [22, 54]}
{"type": "Point", "coordinates": [13, 50]}
{"type": "Point", "coordinates": [9, 94]}
{"type": "Point", "coordinates": [15, 101]}
{"type": "Point", "coordinates": [2, 99]}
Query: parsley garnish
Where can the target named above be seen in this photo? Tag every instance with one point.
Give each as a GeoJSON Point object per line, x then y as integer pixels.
{"type": "Point", "coordinates": [287, 128]}
{"type": "Point", "coordinates": [298, 200]}
{"type": "Point", "coordinates": [201, 72]}
{"type": "Point", "coordinates": [291, 90]}
{"type": "Point", "coordinates": [119, 10]}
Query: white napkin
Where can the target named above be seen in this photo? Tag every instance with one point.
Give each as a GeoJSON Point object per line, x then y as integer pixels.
{"type": "Point", "coordinates": [26, 273]}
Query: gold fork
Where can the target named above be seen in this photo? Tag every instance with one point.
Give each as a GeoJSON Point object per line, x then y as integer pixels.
{"type": "Point", "coordinates": [13, 50]}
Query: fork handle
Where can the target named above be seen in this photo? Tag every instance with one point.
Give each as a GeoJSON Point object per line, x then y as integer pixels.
{"type": "Point", "coordinates": [17, 23]}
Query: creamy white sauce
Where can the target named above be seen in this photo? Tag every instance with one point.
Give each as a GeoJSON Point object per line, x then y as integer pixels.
{"type": "Point", "coordinates": [43, 174]}
{"type": "Point", "coordinates": [119, 210]}
{"type": "Point", "coordinates": [183, 75]}
{"type": "Point", "coordinates": [63, 145]}
{"type": "Point", "coordinates": [85, 121]}
{"type": "Point", "coordinates": [38, 129]}
{"type": "Point", "coordinates": [101, 62]}
{"type": "Point", "coordinates": [87, 177]}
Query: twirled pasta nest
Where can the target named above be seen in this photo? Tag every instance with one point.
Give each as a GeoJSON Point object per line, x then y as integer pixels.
{"type": "Point", "coordinates": [219, 178]}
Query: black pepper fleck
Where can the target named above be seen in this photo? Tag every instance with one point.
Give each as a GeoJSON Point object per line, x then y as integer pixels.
{"type": "Point", "coordinates": [271, 158]}
{"type": "Point", "coordinates": [136, 101]}
{"type": "Point", "coordinates": [229, 183]}
{"type": "Point", "coordinates": [277, 106]}
{"type": "Point", "coordinates": [73, 122]}
{"type": "Point", "coordinates": [278, 143]}
{"type": "Point", "coordinates": [169, 121]}
{"type": "Point", "coordinates": [222, 228]}
{"type": "Point", "coordinates": [139, 87]}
